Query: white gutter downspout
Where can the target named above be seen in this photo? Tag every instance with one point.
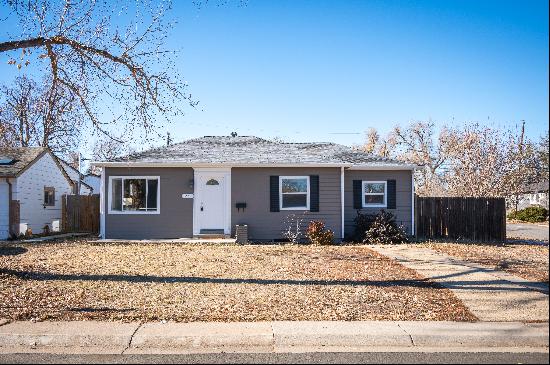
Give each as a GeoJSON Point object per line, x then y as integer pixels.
{"type": "Point", "coordinates": [10, 213]}
{"type": "Point", "coordinates": [102, 205]}
{"type": "Point", "coordinates": [342, 200]}
{"type": "Point", "coordinates": [412, 203]}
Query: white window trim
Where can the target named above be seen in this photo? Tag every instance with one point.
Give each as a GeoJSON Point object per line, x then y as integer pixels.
{"type": "Point", "coordinates": [281, 193]}
{"type": "Point", "coordinates": [109, 196]}
{"type": "Point", "coordinates": [363, 194]}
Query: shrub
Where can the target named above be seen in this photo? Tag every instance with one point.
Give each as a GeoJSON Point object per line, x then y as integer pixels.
{"type": "Point", "coordinates": [293, 228]}
{"type": "Point", "coordinates": [380, 228]}
{"type": "Point", "coordinates": [531, 214]}
{"type": "Point", "coordinates": [362, 222]}
{"type": "Point", "coordinates": [318, 234]}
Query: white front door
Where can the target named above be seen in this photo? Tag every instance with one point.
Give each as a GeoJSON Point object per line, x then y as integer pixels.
{"type": "Point", "coordinates": [212, 199]}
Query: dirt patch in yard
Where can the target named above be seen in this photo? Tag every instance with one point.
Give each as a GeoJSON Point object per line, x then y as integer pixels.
{"type": "Point", "coordinates": [527, 261]}
{"type": "Point", "coordinates": [184, 282]}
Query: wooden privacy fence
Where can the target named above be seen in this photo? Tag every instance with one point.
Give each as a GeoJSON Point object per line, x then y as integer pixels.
{"type": "Point", "coordinates": [80, 213]}
{"type": "Point", "coordinates": [479, 219]}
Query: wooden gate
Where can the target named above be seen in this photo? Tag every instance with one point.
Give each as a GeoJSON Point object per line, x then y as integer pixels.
{"type": "Point", "coordinates": [80, 213]}
{"type": "Point", "coordinates": [477, 219]}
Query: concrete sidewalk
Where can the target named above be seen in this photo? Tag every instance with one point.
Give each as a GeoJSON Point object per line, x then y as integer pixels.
{"type": "Point", "coordinates": [491, 295]}
{"type": "Point", "coordinates": [89, 337]}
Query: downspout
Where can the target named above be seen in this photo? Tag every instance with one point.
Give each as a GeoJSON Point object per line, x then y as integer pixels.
{"type": "Point", "coordinates": [10, 228]}
{"type": "Point", "coordinates": [102, 204]}
{"type": "Point", "coordinates": [412, 203]}
{"type": "Point", "coordinates": [342, 201]}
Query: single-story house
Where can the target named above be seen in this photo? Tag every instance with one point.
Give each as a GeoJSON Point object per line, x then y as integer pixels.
{"type": "Point", "coordinates": [213, 183]}
{"type": "Point", "coordinates": [32, 181]}
{"type": "Point", "coordinates": [535, 194]}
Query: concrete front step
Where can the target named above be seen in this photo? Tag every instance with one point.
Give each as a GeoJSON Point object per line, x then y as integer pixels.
{"type": "Point", "coordinates": [261, 337]}
{"type": "Point", "coordinates": [211, 236]}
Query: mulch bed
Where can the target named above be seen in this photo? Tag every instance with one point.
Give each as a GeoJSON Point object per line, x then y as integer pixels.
{"type": "Point", "coordinates": [80, 280]}
{"type": "Point", "coordinates": [525, 260]}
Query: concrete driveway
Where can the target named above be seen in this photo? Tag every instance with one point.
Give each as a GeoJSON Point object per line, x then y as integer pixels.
{"type": "Point", "coordinates": [527, 231]}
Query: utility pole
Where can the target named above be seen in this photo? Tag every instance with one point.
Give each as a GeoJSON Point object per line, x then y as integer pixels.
{"type": "Point", "coordinates": [520, 147]}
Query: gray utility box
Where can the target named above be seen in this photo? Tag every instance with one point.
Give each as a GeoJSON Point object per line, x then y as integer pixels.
{"type": "Point", "coordinates": [241, 233]}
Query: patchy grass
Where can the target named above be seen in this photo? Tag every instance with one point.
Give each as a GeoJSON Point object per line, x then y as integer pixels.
{"type": "Point", "coordinates": [75, 280]}
{"type": "Point", "coordinates": [525, 260]}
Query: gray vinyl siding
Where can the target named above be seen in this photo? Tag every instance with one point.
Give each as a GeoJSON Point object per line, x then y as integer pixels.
{"type": "Point", "coordinates": [176, 214]}
{"type": "Point", "coordinates": [403, 196]}
{"type": "Point", "coordinates": [251, 186]}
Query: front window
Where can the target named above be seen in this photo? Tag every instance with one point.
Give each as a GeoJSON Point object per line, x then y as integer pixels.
{"type": "Point", "coordinates": [134, 194]}
{"type": "Point", "coordinates": [374, 194]}
{"type": "Point", "coordinates": [294, 192]}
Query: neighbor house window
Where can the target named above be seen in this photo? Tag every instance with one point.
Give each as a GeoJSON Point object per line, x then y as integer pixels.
{"type": "Point", "coordinates": [294, 192]}
{"type": "Point", "coordinates": [134, 194]}
{"type": "Point", "coordinates": [49, 196]}
{"type": "Point", "coordinates": [374, 194]}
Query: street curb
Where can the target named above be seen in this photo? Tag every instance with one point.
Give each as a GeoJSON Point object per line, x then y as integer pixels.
{"type": "Point", "coordinates": [171, 338]}
{"type": "Point", "coordinates": [112, 337]}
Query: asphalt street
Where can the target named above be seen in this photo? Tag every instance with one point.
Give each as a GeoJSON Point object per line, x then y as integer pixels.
{"type": "Point", "coordinates": [290, 358]}
{"type": "Point", "coordinates": [527, 231]}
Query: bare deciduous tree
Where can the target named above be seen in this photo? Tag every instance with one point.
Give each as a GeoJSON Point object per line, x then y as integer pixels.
{"type": "Point", "coordinates": [418, 145]}
{"type": "Point", "coordinates": [471, 160]}
{"type": "Point", "coordinates": [543, 153]}
{"type": "Point", "coordinates": [93, 56]}
{"type": "Point", "coordinates": [33, 116]}
{"type": "Point", "coordinates": [107, 149]}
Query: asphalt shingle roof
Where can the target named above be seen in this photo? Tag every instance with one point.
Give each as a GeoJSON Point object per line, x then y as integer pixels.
{"type": "Point", "coordinates": [22, 157]}
{"type": "Point", "coordinates": [254, 150]}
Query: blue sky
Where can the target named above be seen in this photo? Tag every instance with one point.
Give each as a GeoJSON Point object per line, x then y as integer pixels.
{"type": "Point", "coordinates": [308, 70]}
{"type": "Point", "coordinates": [303, 70]}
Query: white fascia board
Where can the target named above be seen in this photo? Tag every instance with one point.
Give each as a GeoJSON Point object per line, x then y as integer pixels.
{"type": "Point", "coordinates": [211, 165]}
{"type": "Point", "coordinates": [384, 167]}
{"type": "Point", "coordinates": [348, 166]}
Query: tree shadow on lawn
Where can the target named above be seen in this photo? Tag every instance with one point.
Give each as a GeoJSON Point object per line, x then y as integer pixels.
{"type": "Point", "coordinates": [500, 285]}
{"type": "Point", "coordinates": [12, 250]}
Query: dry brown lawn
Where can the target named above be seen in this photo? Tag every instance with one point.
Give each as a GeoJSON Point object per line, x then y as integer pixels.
{"type": "Point", "coordinates": [76, 280]}
{"type": "Point", "coordinates": [527, 261]}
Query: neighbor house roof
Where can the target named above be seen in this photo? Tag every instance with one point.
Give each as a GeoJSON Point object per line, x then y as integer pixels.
{"type": "Point", "coordinates": [539, 187]}
{"type": "Point", "coordinates": [17, 159]}
{"type": "Point", "coordinates": [249, 150]}
{"type": "Point", "coordinates": [72, 172]}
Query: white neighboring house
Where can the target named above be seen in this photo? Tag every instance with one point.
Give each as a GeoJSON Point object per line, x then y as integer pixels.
{"type": "Point", "coordinates": [34, 177]}
{"type": "Point", "coordinates": [93, 181]}
{"type": "Point", "coordinates": [89, 184]}
{"type": "Point", "coordinates": [531, 195]}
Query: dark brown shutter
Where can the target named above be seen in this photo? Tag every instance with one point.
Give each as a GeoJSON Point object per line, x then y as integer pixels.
{"type": "Point", "coordinates": [274, 193]}
{"type": "Point", "coordinates": [357, 194]}
{"type": "Point", "coordinates": [314, 193]}
{"type": "Point", "coordinates": [391, 185]}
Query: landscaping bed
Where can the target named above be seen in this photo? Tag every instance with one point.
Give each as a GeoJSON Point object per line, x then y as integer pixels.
{"type": "Point", "coordinates": [528, 261]}
{"type": "Point", "coordinates": [77, 279]}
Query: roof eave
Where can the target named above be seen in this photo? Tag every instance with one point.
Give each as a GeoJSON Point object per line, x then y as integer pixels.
{"type": "Point", "coordinates": [374, 166]}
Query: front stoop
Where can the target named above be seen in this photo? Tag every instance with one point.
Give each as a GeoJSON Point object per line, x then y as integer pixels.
{"type": "Point", "coordinates": [211, 234]}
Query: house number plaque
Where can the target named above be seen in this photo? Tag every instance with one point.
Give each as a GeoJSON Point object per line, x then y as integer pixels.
{"type": "Point", "coordinates": [187, 196]}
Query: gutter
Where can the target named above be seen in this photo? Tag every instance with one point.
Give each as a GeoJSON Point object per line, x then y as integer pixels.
{"type": "Point", "coordinates": [350, 166]}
